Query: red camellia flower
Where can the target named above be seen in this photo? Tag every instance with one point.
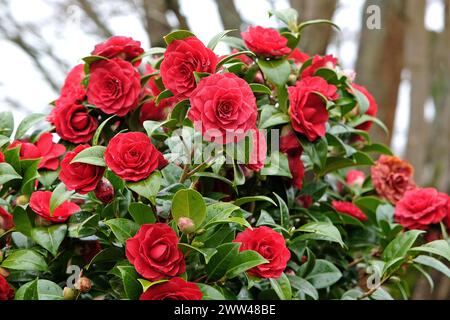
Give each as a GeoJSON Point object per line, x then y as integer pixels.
{"type": "Point", "coordinates": [6, 220]}
{"type": "Point", "coordinates": [27, 149]}
{"type": "Point", "coordinates": [421, 207]}
{"type": "Point", "coordinates": [298, 57]}
{"type": "Point", "coordinates": [73, 122]}
{"type": "Point", "coordinates": [319, 62]}
{"type": "Point", "coordinates": [265, 42]}
{"type": "Point", "coordinates": [50, 151]}
{"type": "Point", "coordinates": [40, 204]}
{"type": "Point", "coordinates": [114, 86]}
{"type": "Point", "coordinates": [355, 178]}
{"type": "Point", "coordinates": [447, 219]}
{"type": "Point", "coordinates": [6, 292]}
{"type": "Point", "coordinates": [223, 108]}
{"type": "Point", "coordinates": [2, 157]}
{"type": "Point", "coordinates": [269, 244]}
{"type": "Point", "coordinates": [81, 177]}
{"type": "Point", "coordinates": [350, 209]}
{"type": "Point", "coordinates": [392, 177]}
{"type": "Point", "coordinates": [119, 47]}
{"type": "Point", "coordinates": [44, 148]}
{"type": "Point", "coordinates": [132, 156]}
{"type": "Point", "coordinates": [308, 110]}
{"type": "Point", "coordinates": [259, 151]}
{"type": "Point", "coordinates": [181, 59]}
{"type": "Point", "coordinates": [174, 289]}
{"type": "Point", "coordinates": [154, 252]}
{"type": "Point", "coordinates": [290, 145]}
{"type": "Point", "coordinates": [72, 89]}
{"type": "Point", "coordinates": [373, 107]}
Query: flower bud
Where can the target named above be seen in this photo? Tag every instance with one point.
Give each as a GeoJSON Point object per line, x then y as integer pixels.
{"type": "Point", "coordinates": [104, 191]}
{"type": "Point", "coordinates": [83, 284]}
{"type": "Point", "coordinates": [4, 272]}
{"type": "Point", "coordinates": [69, 293]}
{"type": "Point", "coordinates": [22, 200]}
{"type": "Point", "coordinates": [186, 225]}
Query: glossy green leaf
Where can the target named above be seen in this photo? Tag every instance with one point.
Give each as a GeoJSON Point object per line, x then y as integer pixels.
{"type": "Point", "coordinates": [190, 204]}
{"type": "Point", "coordinates": [49, 237]}
{"type": "Point", "coordinates": [27, 123]}
{"type": "Point", "coordinates": [282, 287]}
{"type": "Point", "coordinates": [149, 187]}
{"type": "Point", "coordinates": [122, 228]}
{"type": "Point", "coordinates": [93, 155]}
{"type": "Point", "coordinates": [24, 259]}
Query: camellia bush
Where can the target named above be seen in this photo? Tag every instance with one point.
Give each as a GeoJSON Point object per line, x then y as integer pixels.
{"type": "Point", "coordinates": [176, 173]}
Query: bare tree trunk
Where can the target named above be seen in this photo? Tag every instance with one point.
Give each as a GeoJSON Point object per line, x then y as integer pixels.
{"type": "Point", "coordinates": [380, 60]}
{"type": "Point", "coordinates": [89, 10]}
{"type": "Point", "coordinates": [316, 38]}
{"type": "Point", "coordinates": [231, 19]}
{"type": "Point", "coordinates": [416, 60]}
{"type": "Point", "coordinates": [155, 21]}
{"type": "Point", "coordinates": [174, 6]}
{"type": "Point", "coordinates": [439, 147]}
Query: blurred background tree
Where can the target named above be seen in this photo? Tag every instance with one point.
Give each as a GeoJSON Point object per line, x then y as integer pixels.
{"type": "Point", "coordinates": [404, 63]}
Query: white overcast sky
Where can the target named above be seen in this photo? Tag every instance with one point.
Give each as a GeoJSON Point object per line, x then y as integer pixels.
{"type": "Point", "coordinates": [20, 80]}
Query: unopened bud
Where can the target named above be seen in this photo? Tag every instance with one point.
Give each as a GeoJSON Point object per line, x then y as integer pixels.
{"type": "Point", "coordinates": [197, 244]}
{"type": "Point", "coordinates": [186, 225]}
{"type": "Point", "coordinates": [69, 293]}
{"type": "Point", "coordinates": [104, 191]}
{"type": "Point", "coordinates": [4, 272]}
{"type": "Point", "coordinates": [22, 200]}
{"type": "Point", "coordinates": [83, 284]}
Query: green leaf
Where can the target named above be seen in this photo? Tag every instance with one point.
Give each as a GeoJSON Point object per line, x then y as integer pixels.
{"type": "Point", "coordinates": [317, 152]}
{"type": "Point", "coordinates": [91, 59]}
{"type": "Point", "coordinates": [377, 148]}
{"type": "Point", "coordinates": [22, 221]}
{"type": "Point", "coordinates": [24, 259]}
{"type": "Point", "coordinates": [50, 237]}
{"type": "Point", "coordinates": [59, 195]}
{"type": "Point", "coordinates": [282, 287]}
{"type": "Point", "coordinates": [207, 253]}
{"type": "Point", "coordinates": [308, 23]}
{"type": "Point", "coordinates": [216, 39]}
{"type": "Point", "coordinates": [239, 202]}
{"type": "Point", "coordinates": [324, 274]}
{"type": "Point", "coordinates": [210, 293]}
{"type": "Point", "coordinates": [39, 289]}
{"type": "Point", "coordinates": [303, 287]}
{"type": "Point", "coordinates": [177, 35]}
{"type": "Point", "coordinates": [163, 95]}
{"type": "Point", "coordinates": [277, 71]}
{"type": "Point", "coordinates": [220, 262]}
{"type": "Point", "coordinates": [277, 166]}
{"type": "Point", "coordinates": [48, 177]}
{"type": "Point", "coordinates": [150, 52]}
{"type": "Point", "coordinates": [141, 213]}
{"type": "Point", "coordinates": [180, 110]}
{"type": "Point", "coordinates": [218, 211]}
{"type": "Point", "coordinates": [244, 261]}
{"type": "Point", "coordinates": [433, 263]}
{"type": "Point", "coordinates": [271, 116]}
{"type": "Point", "coordinates": [260, 88]}
{"type": "Point", "coordinates": [190, 204]}
{"type": "Point", "coordinates": [289, 17]}
{"type": "Point", "coordinates": [110, 254]}
{"type": "Point", "coordinates": [149, 187]}
{"type": "Point", "coordinates": [27, 123]}
{"type": "Point", "coordinates": [6, 123]}
{"type": "Point", "coordinates": [322, 231]}
{"type": "Point", "coordinates": [400, 245]}
{"type": "Point", "coordinates": [7, 173]}
{"type": "Point", "coordinates": [284, 212]}
{"type": "Point", "coordinates": [438, 247]}
{"type": "Point", "coordinates": [231, 57]}
{"type": "Point", "coordinates": [99, 131]}
{"type": "Point", "coordinates": [30, 174]}
{"type": "Point", "coordinates": [122, 228]}
{"type": "Point", "coordinates": [131, 285]}
{"type": "Point", "coordinates": [3, 140]}
{"type": "Point", "coordinates": [94, 155]}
